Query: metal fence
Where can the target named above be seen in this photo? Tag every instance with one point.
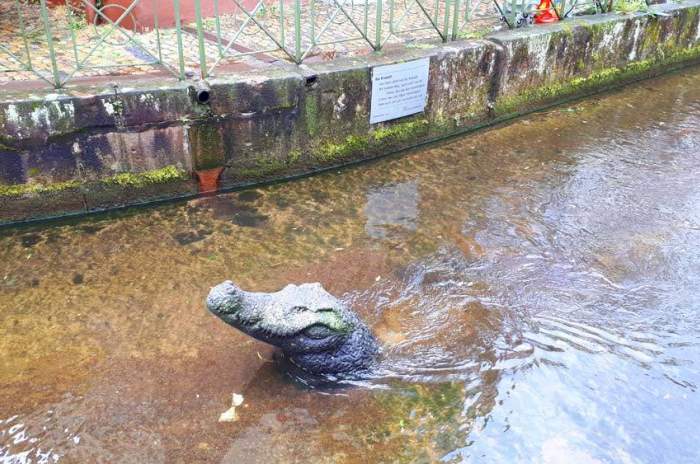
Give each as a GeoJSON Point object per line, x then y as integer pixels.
{"type": "Point", "coordinates": [188, 38]}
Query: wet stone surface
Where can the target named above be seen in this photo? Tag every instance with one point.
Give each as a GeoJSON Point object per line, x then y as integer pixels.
{"type": "Point", "coordinates": [534, 288]}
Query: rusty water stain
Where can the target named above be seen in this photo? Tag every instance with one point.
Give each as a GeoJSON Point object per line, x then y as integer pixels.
{"type": "Point", "coordinates": [209, 179]}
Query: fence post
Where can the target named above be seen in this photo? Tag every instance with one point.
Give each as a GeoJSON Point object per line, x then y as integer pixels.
{"type": "Point", "coordinates": [446, 27]}
{"type": "Point", "coordinates": [391, 17]}
{"type": "Point", "coordinates": [312, 16]}
{"type": "Point", "coordinates": [378, 27]}
{"type": "Point", "coordinates": [282, 35]}
{"type": "Point", "coordinates": [455, 20]}
{"type": "Point", "coordinates": [157, 27]}
{"type": "Point", "coordinates": [49, 43]}
{"type": "Point", "coordinates": [297, 30]}
{"type": "Point", "coordinates": [23, 31]}
{"type": "Point", "coordinates": [200, 39]}
{"type": "Point", "coordinates": [218, 28]}
{"type": "Point", "coordinates": [178, 33]}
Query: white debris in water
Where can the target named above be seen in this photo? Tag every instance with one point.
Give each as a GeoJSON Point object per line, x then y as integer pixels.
{"type": "Point", "coordinates": [230, 414]}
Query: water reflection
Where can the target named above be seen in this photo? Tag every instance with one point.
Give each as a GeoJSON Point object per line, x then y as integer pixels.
{"type": "Point", "coordinates": [536, 303]}
{"type": "Point", "coordinates": [392, 207]}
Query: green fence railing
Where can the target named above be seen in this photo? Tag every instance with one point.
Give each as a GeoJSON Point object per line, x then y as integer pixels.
{"type": "Point", "coordinates": [199, 38]}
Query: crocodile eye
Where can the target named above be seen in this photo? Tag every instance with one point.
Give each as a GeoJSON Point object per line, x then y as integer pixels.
{"type": "Point", "coordinates": [318, 332]}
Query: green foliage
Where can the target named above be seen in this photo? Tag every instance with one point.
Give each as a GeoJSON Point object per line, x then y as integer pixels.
{"type": "Point", "coordinates": [630, 6]}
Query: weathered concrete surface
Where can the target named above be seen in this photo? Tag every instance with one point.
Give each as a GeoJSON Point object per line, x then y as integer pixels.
{"type": "Point", "coordinates": [90, 148]}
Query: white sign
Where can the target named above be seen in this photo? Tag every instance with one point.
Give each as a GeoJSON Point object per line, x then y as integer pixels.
{"type": "Point", "coordinates": [399, 90]}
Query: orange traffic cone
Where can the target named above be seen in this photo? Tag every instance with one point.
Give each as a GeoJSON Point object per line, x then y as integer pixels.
{"type": "Point", "coordinates": [545, 13]}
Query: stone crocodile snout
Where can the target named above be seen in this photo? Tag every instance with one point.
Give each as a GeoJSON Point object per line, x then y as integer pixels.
{"type": "Point", "coordinates": [224, 298]}
{"type": "Point", "coordinates": [316, 331]}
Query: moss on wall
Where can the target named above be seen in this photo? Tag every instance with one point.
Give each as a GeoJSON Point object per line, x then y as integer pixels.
{"type": "Point", "coordinates": [598, 80]}
{"type": "Point", "coordinates": [393, 136]}
{"type": "Point", "coordinates": [164, 175]}
{"type": "Point", "coordinates": [270, 129]}
{"type": "Point", "coordinates": [206, 146]}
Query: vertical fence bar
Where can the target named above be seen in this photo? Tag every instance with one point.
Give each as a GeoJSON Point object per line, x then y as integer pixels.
{"type": "Point", "coordinates": [217, 22]}
{"type": "Point", "coordinates": [178, 33]}
{"type": "Point", "coordinates": [366, 17]}
{"type": "Point", "coordinates": [71, 26]}
{"type": "Point", "coordinates": [23, 31]}
{"type": "Point", "coordinates": [282, 37]}
{"type": "Point", "coordinates": [511, 14]}
{"type": "Point", "coordinates": [455, 20]}
{"type": "Point", "coordinates": [297, 30]}
{"type": "Point", "coordinates": [49, 42]}
{"type": "Point", "coordinates": [157, 28]}
{"type": "Point", "coordinates": [436, 11]}
{"type": "Point", "coordinates": [391, 17]}
{"type": "Point", "coordinates": [446, 26]}
{"type": "Point", "coordinates": [378, 26]}
{"type": "Point", "coordinates": [312, 15]}
{"type": "Point", "coordinates": [200, 39]}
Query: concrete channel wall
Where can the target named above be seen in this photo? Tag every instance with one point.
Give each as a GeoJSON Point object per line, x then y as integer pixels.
{"type": "Point", "coordinates": [91, 148]}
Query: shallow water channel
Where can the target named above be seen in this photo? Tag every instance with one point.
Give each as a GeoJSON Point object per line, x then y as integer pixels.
{"type": "Point", "coordinates": [536, 289]}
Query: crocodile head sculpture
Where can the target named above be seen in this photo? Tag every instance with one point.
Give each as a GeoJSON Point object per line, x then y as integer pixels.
{"type": "Point", "coordinates": [317, 332]}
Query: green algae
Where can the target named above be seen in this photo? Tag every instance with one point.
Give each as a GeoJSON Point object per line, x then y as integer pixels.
{"type": "Point", "coordinates": [264, 168]}
{"type": "Point", "coordinates": [19, 190]}
{"type": "Point", "coordinates": [392, 136]}
{"type": "Point", "coordinates": [143, 179]}
{"type": "Point", "coordinates": [351, 145]}
{"type": "Point", "coordinates": [402, 132]}
{"type": "Point", "coordinates": [598, 80]}
{"type": "Point", "coordinates": [311, 114]}
{"type": "Point", "coordinates": [419, 417]}
{"type": "Point", "coordinates": [207, 146]}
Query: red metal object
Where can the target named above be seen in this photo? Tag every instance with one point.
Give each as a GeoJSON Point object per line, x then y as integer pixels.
{"type": "Point", "coordinates": [545, 13]}
{"type": "Point", "coordinates": [141, 17]}
{"type": "Point", "coordinates": [88, 6]}
{"type": "Point", "coordinates": [209, 179]}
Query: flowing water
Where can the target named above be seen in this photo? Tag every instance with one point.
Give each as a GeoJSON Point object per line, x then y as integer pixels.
{"type": "Point", "coordinates": [535, 287]}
